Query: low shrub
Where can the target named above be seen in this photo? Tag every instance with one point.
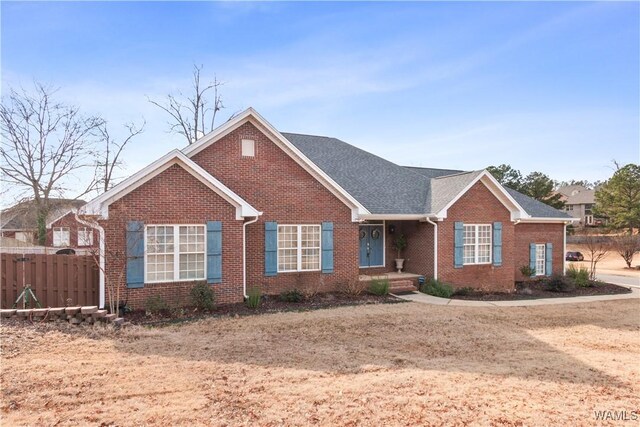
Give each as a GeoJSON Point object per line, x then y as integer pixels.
{"type": "Point", "coordinates": [155, 304]}
{"type": "Point", "coordinates": [580, 276]}
{"type": "Point", "coordinates": [557, 283]}
{"type": "Point", "coordinates": [379, 287]}
{"type": "Point", "coordinates": [354, 287]}
{"type": "Point", "coordinates": [291, 296]}
{"type": "Point", "coordinates": [526, 271]}
{"type": "Point", "coordinates": [467, 290]}
{"type": "Point", "coordinates": [254, 297]}
{"type": "Point", "coordinates": [437, 288]}
{"type": "Point", "coordinates": [202, 296]}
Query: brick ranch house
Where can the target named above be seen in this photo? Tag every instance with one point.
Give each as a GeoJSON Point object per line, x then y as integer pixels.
{"type": "Point", "coordinates": [247, 205]}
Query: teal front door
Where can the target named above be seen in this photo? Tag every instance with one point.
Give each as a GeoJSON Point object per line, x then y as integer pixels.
{"type": "Point", "coordinates": [371, 246]}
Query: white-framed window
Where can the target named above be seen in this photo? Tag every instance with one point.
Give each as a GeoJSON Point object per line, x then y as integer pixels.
{"type": "Point", "coordinates": [174, 253]}
{"type": "Point", "coordinates": [540, 259]}
{"type": "Point", "coordinates": [248, 148]}
{"type": "Point", "coordinates": [477, 244]}
{"type": "Point", "coordinates": [61, 236]}
{"type": "Point", "coordinates": [85, 236]}
{"type": "Point", "coordinates": [23, 236]}
{"type": "Point", "coordinates": [298, 248]}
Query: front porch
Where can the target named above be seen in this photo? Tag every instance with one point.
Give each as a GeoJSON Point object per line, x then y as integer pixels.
{"type": "Point", "coordinates": [398, 282]}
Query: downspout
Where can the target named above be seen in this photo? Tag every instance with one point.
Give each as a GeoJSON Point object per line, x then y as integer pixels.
{"type": "Point", "coordinates": [435, 247]}
{"type": "Point", "coordinates": [564, 250]}
{"type": "Point", "coordinates": [244, 256]}
{"type": "Point", "coordinates": [101, 260]}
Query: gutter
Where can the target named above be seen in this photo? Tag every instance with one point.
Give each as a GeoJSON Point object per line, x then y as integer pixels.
{"type": "Point", "coordinates": [244, 255]}
{"type": "Point", "coordinates": [101, 260]}
{"type": "Point", "coordinates": [435, 247]}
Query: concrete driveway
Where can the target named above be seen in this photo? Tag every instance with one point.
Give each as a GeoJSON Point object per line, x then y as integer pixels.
{"type": "Point", "coordinates": [620, 280]}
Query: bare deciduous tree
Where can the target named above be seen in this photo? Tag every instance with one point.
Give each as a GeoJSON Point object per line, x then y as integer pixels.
{"type": "Point", "coordinates": [627, 245]}
{"type": "Point", "coordinates": [109, 156]}
{"type": "Point", "coordinates": [193, 115]}
{"type": "Point", "coordinates": [44, 143]}
{"type": "Point", "coordinates": [597, 248]}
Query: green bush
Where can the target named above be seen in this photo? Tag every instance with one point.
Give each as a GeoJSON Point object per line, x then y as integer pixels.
{"type": "Point", "coordinates": [526, 271]}
{"type": "Point", "coordinates": [580, 276]}
{"type": "Point", "coordinates": [557, 283]}
{"type": "Point", "coordinates": [202, 296]}
{"type": "Point", "coordinates": [464, 291]}
{"type": "Point", "coordinates": [155, 304]}
{"type": "Point", "coordinates": [379, 287]}
{"type": "Point", "coordinates": [291, 296]}
{"type": "Point", "coordinates": [437, 288]}
{"type": "Point", "coordinates": [254, 297]}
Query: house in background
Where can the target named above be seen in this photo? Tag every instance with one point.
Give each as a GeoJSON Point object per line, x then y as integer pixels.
{"type": "Point", "coordinates": [579, 202]}
{"type": "Point", "coordinates": [247, 205]}
{"type": "Point", "coordinates": [19, 222]}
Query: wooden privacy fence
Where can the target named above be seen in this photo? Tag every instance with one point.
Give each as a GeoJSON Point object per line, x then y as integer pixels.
{"type": "Point", "coordinates": [56, 280]}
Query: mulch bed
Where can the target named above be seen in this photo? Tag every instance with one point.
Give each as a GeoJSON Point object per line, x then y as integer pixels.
{"type": "Point", "coordinates": [268, 304]}
{"type": "Point", "coordinates": [537, 290]}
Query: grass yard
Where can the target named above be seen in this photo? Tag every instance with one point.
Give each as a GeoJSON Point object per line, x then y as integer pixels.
{"type": "Point", "coordinates": [395, 364]}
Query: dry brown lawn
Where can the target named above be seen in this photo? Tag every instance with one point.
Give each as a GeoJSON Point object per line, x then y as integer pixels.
{"type": "Point", "coordinates": [401, 364]}
{"type": "Point", "coordinates": [612, 263]}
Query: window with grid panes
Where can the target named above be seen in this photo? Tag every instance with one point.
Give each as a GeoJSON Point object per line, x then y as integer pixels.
{"type": "Point", "coordinates": [476, 244]}
{"type": "Point", "coordinates": [298, 248]}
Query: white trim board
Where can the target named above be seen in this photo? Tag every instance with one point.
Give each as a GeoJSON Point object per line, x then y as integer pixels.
{"type": "Point", "coordinates": [100, 205]}
{"type": "Point", "coordinates": [250, 115]}
{"type": "Point", "coordinates": [517, 211]}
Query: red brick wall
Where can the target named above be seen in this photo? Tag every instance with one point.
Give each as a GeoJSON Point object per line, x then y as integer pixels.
{"type": "Point", "coordinates": [174, 197]}
{"type": "Point", "coordinates": [419, 252]}
{"type": "Point", "coordinates": [527, 233]}
{"type": "Point", "coordinates": [275, 184]}
{"type": "Point", "coordinates": [477, 206]}
{"type": "Point", "coordinates": [69, 220]}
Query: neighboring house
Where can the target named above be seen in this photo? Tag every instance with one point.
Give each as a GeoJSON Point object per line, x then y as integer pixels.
{"type": "Point", "coordinates": [66, 232]}
{"type": "Point", "coordinates": [246, 206]}
{"type": "Point", "coordinates": [579, 202]}
{"type": "Point", "coordinates": [20, 221]}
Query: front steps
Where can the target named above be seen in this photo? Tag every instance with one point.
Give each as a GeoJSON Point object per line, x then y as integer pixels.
{"type": "Point", "coordinates": [399, 283]}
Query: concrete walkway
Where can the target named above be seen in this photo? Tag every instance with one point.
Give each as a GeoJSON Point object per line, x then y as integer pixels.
{"type": "Point", "coordinates": [428, 299]}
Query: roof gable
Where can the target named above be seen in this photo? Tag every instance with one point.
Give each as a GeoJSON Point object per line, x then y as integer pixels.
{"type": "Point", "coordinates": [100, 205]}
{"type": "Point", "coordinates": [447, 190]}
{"type": "Point", "coordinates": [252, 116]}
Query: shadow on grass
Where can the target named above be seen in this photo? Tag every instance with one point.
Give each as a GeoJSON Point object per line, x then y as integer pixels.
{"type": "Point", "coordinates": [404, 336]}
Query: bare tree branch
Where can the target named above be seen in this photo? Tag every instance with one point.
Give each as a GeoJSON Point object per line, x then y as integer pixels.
{"type": "Point", "coordinates": [43, 144]}
{"type": "Point", "coordinates": [189, 115]}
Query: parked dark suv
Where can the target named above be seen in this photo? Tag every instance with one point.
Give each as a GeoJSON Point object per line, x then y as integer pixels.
{"type": "Point", "coordinates": [574, 256]}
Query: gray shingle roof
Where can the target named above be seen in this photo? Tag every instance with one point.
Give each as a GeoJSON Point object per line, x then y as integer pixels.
{"type": "Point", "coordinates": [386, 188]}
{"type": "Point", "coordinates": [379, 185]}
{"type": "Point", "coordinates": [22, 216]}
{"type": "Point", "coordinates": [535, 208]}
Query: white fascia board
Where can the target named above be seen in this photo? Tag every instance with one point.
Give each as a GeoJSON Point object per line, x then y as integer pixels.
{"type": "Point", "coordinates": [517, 211]}
{"type": "Point", "coordinates": [548, 220]}
{"type": "Point", "coordinates": [251, 115]}
{"type": "Point", "coordinates": [59, 217]}
{"type": "Point", "coordinates": [99, 205]}
{"type": "Point", "coordinates": [391, 217]}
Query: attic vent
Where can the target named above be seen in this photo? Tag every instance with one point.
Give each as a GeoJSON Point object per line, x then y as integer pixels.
{"type": "Point", "coordinates": [248, 148]}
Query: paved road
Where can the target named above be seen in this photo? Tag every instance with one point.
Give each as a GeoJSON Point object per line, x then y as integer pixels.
{"type": "Point", "coordinates": [620, 280]}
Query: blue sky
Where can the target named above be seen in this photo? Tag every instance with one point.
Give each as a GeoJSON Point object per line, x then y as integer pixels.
{"type": "Point", "coordinates": [552, 87]}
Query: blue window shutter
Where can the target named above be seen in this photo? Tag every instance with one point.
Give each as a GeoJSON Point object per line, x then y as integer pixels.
{"type": "Point", "coordinates": [458, 238]}
{"type": "Point", "coordinates": [214, 252]}
{"type": "Point", "coordinates": [135, 254]}
{"type": "Point", "coordinates": [548, 257]}
{"type": "Point", "coordinates": [327, 247]}
{"type": "Point", "coordinates": [532, 258]}
{"type": "Point", "coordinates": [270, 248]}
{"type": "Point", "coordinates": [497, 244]}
